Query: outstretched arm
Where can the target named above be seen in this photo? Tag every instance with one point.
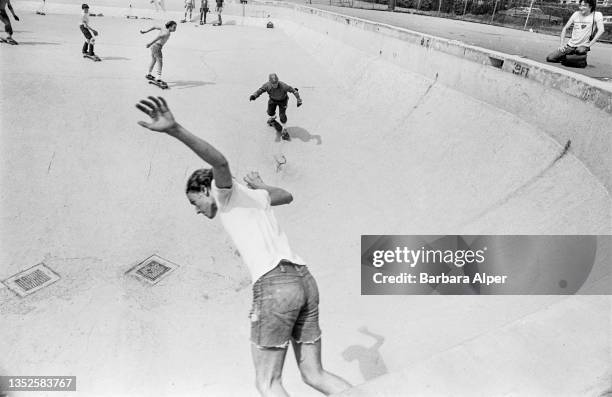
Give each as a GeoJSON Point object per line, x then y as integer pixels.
{"type": "Point", "coordinates": [148, 30]}
{"type": "Point", "coordinates": [162, 120]}
{"type": "Point", "coordinates": [257, 93]}
{"type": "Point", "coordinates": [278, 196]}
{"type": "Point", "coordinates": [295, 92]}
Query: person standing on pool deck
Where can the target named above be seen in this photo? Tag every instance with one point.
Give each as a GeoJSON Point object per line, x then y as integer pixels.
{"type": "Point", "coordinates": [219, 10]}
{"type": "Point", "coordinates": [203, 11]}
{"type": "Point", "coordinates": [285, 295]}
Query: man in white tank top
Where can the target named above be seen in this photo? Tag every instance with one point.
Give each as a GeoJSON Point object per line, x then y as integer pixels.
{"type": "Point", "coordinates": [285, 295]}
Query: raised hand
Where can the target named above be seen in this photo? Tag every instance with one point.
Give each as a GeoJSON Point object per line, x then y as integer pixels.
{"type": "Point", "coordinates": [162, 119]}
{"type": "Point", "coordinates": [253, 180]}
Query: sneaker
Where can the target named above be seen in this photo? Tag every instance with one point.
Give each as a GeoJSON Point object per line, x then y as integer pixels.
{"type": "Point", "coordinates": [285, 135]}
{"type": "Point", "coordinates": [271, 120]}
{"type": "Point", "coordinates": [149, 77]}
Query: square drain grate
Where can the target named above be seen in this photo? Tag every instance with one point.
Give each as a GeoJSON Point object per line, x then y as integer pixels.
{"type": "Point", "coordinates": [152, 269]}
{"type": "Point", "coordinates": [31, 280]}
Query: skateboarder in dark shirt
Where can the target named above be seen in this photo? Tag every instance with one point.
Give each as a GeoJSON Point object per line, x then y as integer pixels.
{"type": "Point", "coordinates": [277, 90]}
{"type": "Point", "coordinates": [7, 22]}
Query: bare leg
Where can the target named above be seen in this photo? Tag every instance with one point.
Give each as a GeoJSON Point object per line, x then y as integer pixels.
{"type": "Point", "coordinates": [308, 356]}
{"type": "Point", "coordinates": [152, 64]}
{"type": "Point", "coordinates": [160, 65]}
{"type": "Point", "coordinates": [268, 370]}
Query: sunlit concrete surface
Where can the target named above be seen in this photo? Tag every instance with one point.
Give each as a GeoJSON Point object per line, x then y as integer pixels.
{"type": "Point", "coordinates": [376, 149]}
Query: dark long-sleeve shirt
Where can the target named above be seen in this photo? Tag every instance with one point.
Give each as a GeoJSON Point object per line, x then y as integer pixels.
{"type": "Point", "coordinates": [279, 93]}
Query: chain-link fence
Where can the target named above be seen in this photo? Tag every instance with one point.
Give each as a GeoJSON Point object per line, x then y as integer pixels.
{"type": "Point", "coordinates": [537, 15]}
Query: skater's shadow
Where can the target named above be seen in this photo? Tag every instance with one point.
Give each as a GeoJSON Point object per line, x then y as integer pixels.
{"type": "Point", "coordinates": [303, 135]}
{"type": "Point", "coordinates": [115, 58]}
{"type": "Point", "coordinates": [188, 84]}
{"type": "Point", "coordinates": [37, 43]}
{"type": "Point", "coordinates": [371, 364]}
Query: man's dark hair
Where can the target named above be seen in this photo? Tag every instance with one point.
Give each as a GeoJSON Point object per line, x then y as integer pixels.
{"type": "Point", "coordinates": [201, 178]}
{"type": "Point", "coordinates": [170, 23]}
{"type": "Point", "coordinates": [592, 3]}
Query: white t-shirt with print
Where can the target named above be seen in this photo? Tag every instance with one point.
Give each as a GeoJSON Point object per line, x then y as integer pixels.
{"type": "Point", "coordinates": [247, 216]}
{"type": "Point", "coordinates": [583, 27]}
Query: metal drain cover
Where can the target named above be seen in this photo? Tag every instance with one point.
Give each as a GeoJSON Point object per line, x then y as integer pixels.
{"type": "Point", "coordinates": [31, 280]}
{"type": "Point", "coordinates": [152, 269]}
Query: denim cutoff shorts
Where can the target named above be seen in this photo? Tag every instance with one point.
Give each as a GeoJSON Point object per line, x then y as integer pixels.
{"type": "Point", "coordinates": [285, 307]}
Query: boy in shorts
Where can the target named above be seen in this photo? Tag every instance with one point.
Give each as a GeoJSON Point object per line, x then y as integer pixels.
{"type": "Point", "coordinates": [285, 295]}
{"type": "Point", "coordinates": [189, 5]}
{"type": "Point", "coordinates": [88, 46]}
{"type": "Point", "coordinates": [156, 49]}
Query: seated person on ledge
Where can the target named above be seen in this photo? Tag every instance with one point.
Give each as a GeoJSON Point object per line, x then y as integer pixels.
{"type": "Point", "coordinates": [584, 21]}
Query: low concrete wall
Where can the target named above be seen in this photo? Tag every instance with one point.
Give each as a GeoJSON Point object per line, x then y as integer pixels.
{"type": "Point", "coordinates": [566, 105]}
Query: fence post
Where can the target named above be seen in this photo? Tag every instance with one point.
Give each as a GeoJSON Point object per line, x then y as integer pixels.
{"type": "Point", "coordinates": [465, 7]}
{"type": "Point", "coordinates": [493, 15]}
{"type": "Point", "coordinates": [439, 6]}
{"type": "Point", "coordinates": [528, 14]}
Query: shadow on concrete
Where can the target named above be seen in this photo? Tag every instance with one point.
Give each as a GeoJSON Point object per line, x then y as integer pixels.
{"type": "Point", "coordinates": [303, 135]}
{"type": "Point", "coordinates": [371, 364]}
{"type": "Point", "coordinates": [37, 43]}
{"type": "Point", "coordinates": [115, 58]}
{"type": "Point", "coordinates": [188, 83]}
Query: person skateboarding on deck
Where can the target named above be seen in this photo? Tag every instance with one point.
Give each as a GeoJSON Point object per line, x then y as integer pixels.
{"type": "Point", "coordinates": [88, 46]}
{"type": "Point", "coordinates": [7, 22]}
{"type": "Point", "coordinates": [156, 51]}
{"type": "Point", "coordinates": [285, 295]}
{"type": "Point", "coordinates": [277, 91]}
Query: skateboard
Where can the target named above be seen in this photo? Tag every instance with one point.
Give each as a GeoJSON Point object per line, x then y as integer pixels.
{"type": "Point", "coordinates": [8, 41]}
{"type": "Point", "coordinates": [161, 84]}
{"type": "Point", "coordinates": [279, 128]}
{"type": "Point", "coordinates": [92, 57]}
